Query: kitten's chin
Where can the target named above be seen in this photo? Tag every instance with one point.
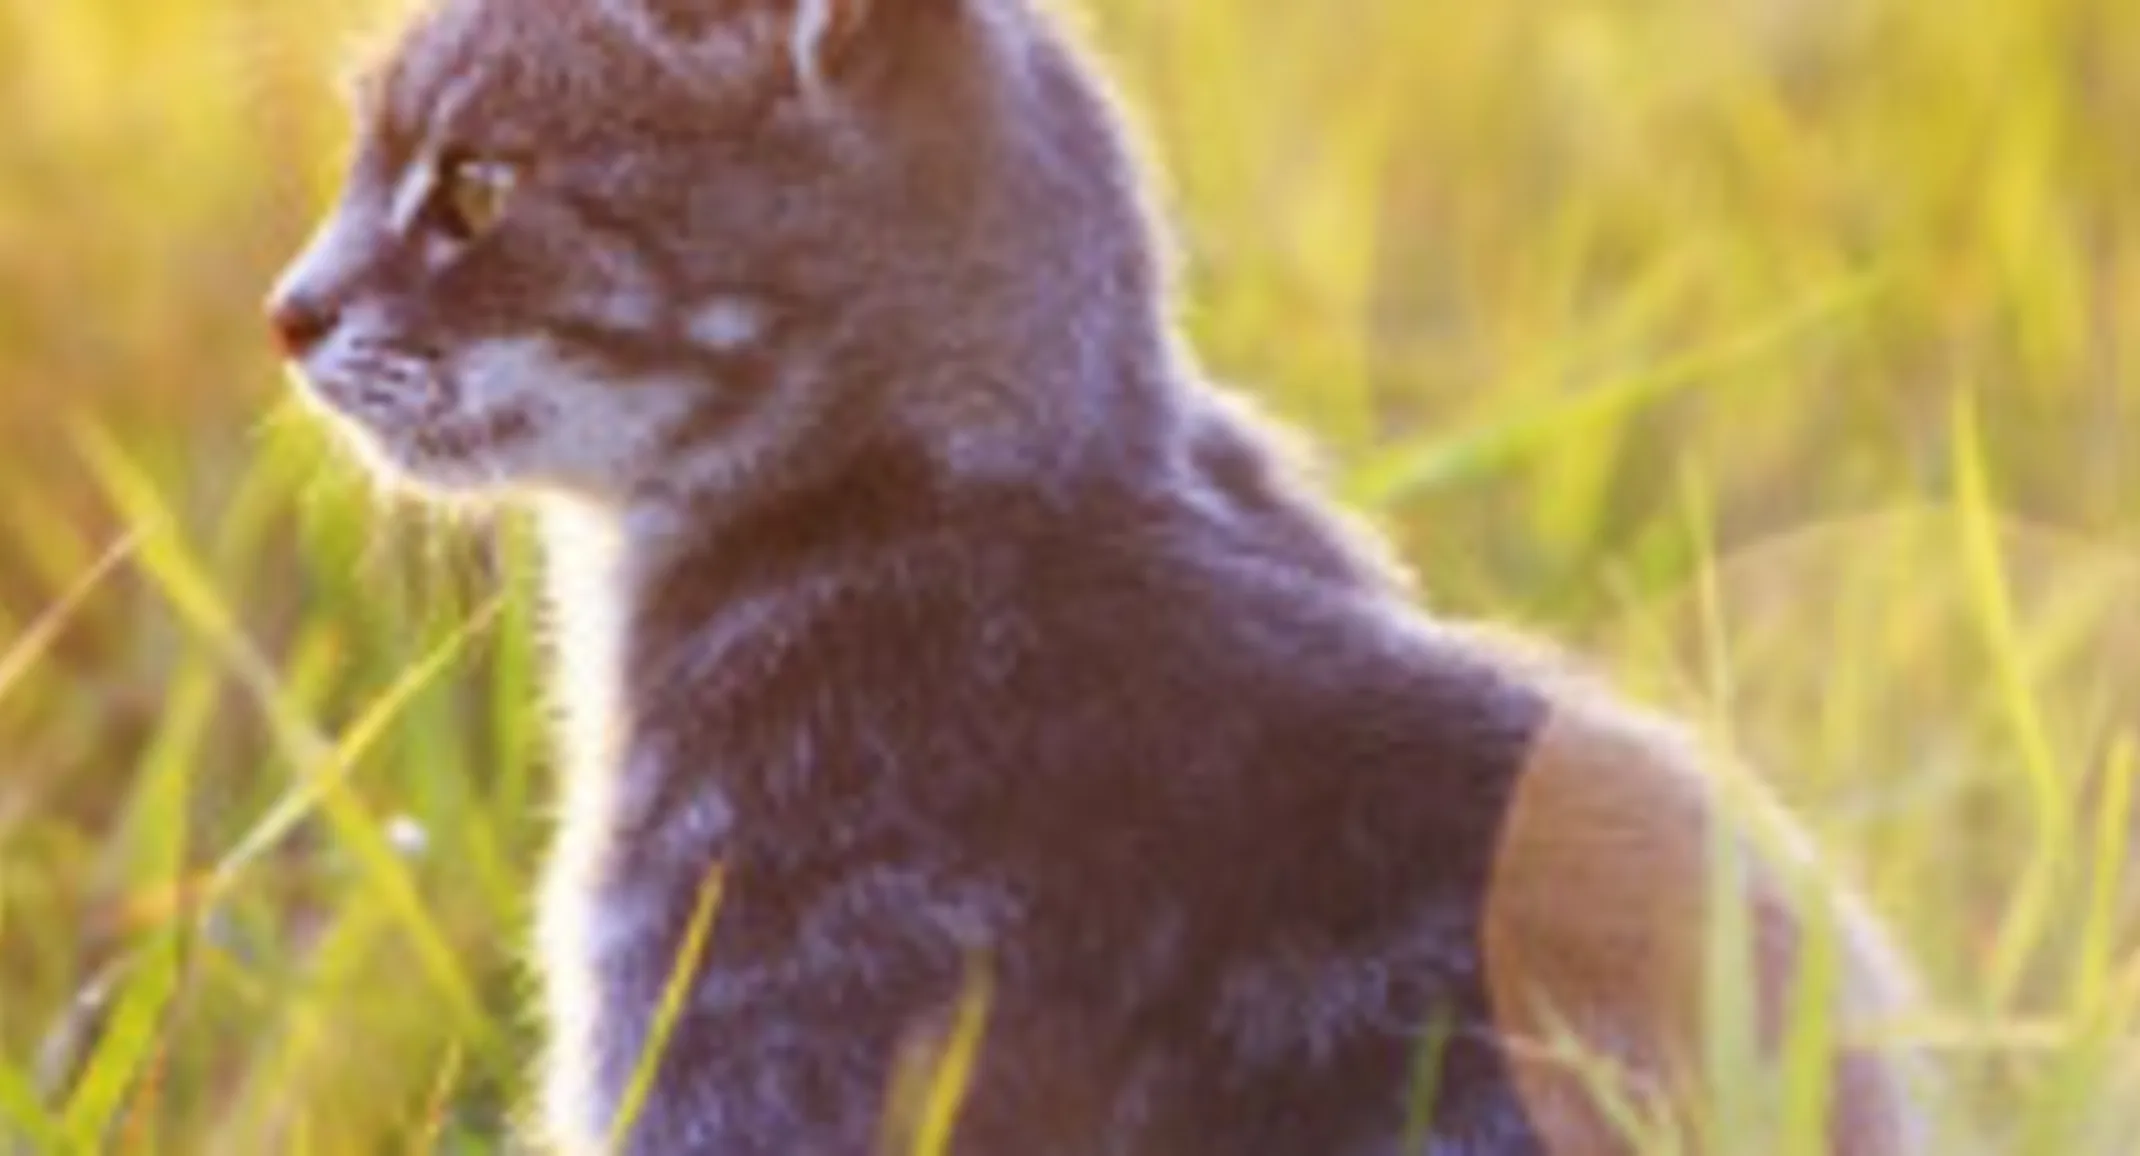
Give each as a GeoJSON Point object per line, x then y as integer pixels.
{"type": "Point", "coordinates": [447, 461]}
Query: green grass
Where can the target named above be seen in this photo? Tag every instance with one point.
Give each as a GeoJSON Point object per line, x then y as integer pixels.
{"type": "Point", "coordinates": [1778, 354]}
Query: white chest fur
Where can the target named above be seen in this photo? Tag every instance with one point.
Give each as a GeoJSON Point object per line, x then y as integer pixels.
{"type": "Point", "coordinates": [588, 591]}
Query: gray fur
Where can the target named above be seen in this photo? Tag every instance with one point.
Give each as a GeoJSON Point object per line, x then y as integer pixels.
{"type": "Point", "coordinates": [902, 567]}
{"type": "Point", "coordinates": [735, 262]}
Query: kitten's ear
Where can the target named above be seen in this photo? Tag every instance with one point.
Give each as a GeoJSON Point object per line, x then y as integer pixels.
{"type": "Point", "coordinates": [808, 37]}
{"type": "Point", "coordinates": [822, 31]}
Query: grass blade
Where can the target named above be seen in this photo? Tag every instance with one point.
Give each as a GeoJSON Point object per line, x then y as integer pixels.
{"type": "Point", "coordinates": [184, 584]}
{"type": "Point", "coordinates": [946, 1092]}
{"type": "Point", "coordinates": [43, 631]}
{"type": "Point", "coordinates": [1468, 454]}
{"type": "Point", "coordinates": [24, 1114]}
{"type": "Point", "coordinates": [126, 1043]}
{"type": "Point", "coordinates": [2021, 930]}
{"type": "Point", "coordinates": [330, 775]}
{"type": "Point", "coordinates": [683, 973]}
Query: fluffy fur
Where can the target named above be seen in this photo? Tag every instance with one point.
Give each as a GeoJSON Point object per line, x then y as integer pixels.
{"type": "Point", "coordinates": [903, 568]}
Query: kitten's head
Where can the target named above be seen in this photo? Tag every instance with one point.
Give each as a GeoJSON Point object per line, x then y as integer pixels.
{"type": "Point", "coordinates": [613, 247]}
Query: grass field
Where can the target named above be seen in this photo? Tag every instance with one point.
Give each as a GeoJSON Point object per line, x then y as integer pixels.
{"type": "Point", "coordinates": [1782, 356]}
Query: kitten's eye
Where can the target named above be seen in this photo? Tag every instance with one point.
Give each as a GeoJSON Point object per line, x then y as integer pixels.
{"type": "Point", "coordinates": [471, 196]}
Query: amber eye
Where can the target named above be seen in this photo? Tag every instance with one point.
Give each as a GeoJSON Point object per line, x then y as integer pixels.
{"type": "Point", "coordinates": [471, 195]}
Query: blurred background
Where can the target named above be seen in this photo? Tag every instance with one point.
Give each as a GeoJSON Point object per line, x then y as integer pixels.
{"type": "Point", "coordinates": [1781, 357]}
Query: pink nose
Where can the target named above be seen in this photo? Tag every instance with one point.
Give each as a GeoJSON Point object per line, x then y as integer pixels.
{"type": "Point", "coordinates": [300, 323]}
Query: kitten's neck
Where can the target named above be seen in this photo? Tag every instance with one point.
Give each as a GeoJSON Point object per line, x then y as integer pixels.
{"type": "Point", "coordinates": [654, 607]}
{"type": "Point", "coordinates": [631, 587]}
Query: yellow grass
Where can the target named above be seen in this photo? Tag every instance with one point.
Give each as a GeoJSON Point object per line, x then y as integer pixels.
{"type": "Point", "coordinates": [1779, 354]}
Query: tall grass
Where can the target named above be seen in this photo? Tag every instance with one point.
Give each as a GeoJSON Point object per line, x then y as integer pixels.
{"type": "Point", "coordinates": [1778, 354]}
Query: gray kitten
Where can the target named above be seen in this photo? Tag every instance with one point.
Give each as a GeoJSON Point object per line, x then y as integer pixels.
{"type": "Point", "coordinates": [905, 572]}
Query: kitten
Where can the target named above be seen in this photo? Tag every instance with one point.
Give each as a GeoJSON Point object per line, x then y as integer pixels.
{"type": "Point", "coordinates": [905, 572]}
